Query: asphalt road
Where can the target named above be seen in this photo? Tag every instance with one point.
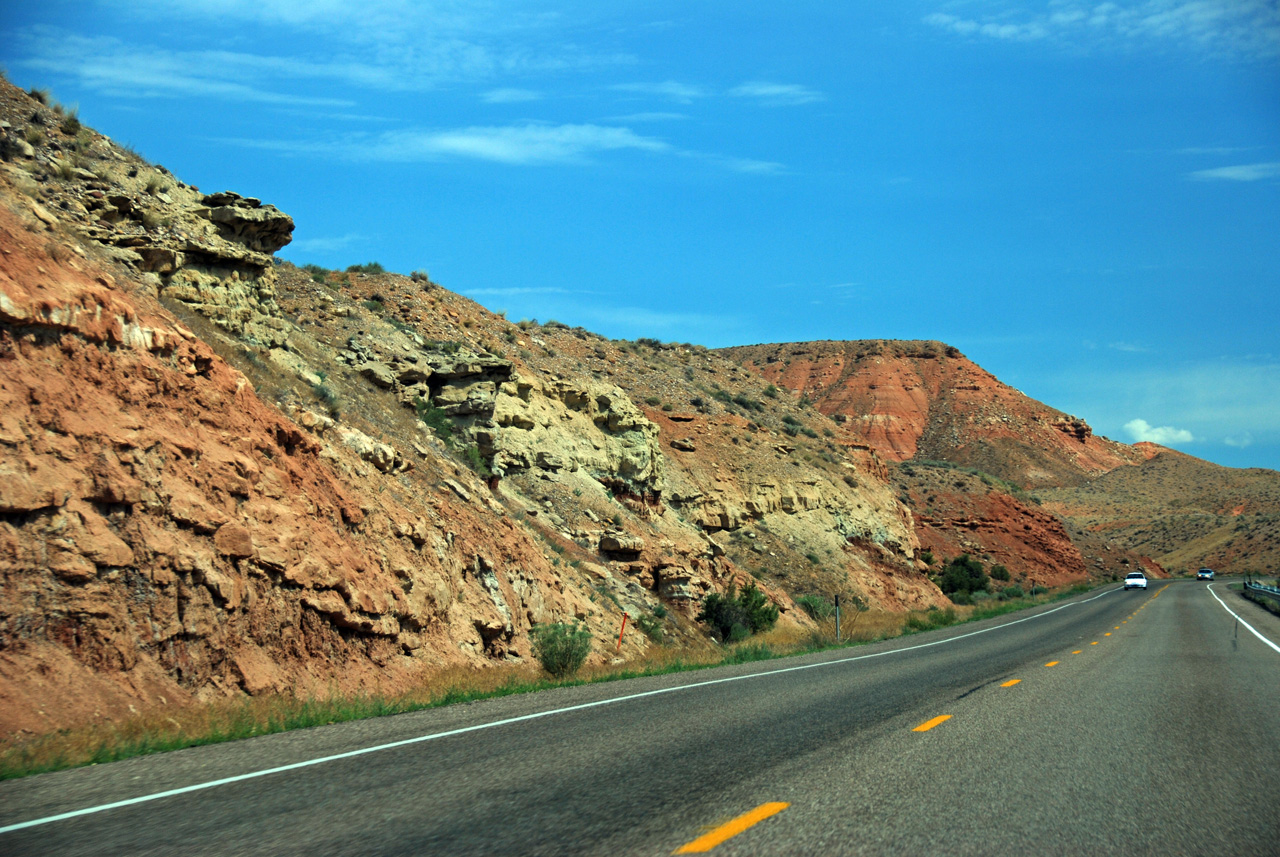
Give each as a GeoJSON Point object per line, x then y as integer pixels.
{"type": "Point", "coordinates": [1138, 723]}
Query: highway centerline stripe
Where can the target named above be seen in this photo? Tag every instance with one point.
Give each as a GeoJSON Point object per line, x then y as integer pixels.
{"type": "Point", "coordinates": [929, 724]}
{"type": "Point", "coordinates": [1077, 651]}
{"type": "Point", "coordinates": [434, 736]}
{"type": "Point", "coordinates": [1094, 643]}
{"type": "Point", "coordinates": [710, 840]}
{"type": "Point", "coordinates": [1052, 664]}
{"type": "Point", "coordinates": [1011, 682]}
{"type": "Point", "coordinates": [1108, 634]}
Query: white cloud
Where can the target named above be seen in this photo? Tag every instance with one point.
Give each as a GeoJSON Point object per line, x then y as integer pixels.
{"type": "Point", "coordinates": [1241, 27]}
{"type": "Point", "coordinates": [324, 245]}
{"type": "Point", "coordinates": [511, 95]}
{"type": "Point", "coordinates": [1239, 441]}
{"type": "Point", "coordinates": [649, 117]}
{"type": "Point", "coordinates": [513, 144]}
{"type": "Point", "coordinates": [1240, 173]}
{"type": "Point", "coordinates": [1141, 430]}
{"type": "Point", "coordinates": [683, 93]}
{"type": "Point", "coordinates": [777, 94]}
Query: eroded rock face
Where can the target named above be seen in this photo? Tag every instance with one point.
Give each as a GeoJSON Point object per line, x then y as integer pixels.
{"type": "Point", "coordinates": [926, 400]}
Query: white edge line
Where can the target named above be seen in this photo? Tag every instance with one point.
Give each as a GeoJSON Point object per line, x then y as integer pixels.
{"type": "Point", "coordinates": [1224, 607]}
{"type": "Point", "coordinates": [64, 816]}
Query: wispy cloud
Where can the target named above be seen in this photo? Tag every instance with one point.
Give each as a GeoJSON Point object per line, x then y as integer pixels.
{"type": "Point", "coordinates": [517, 291]}
{"type": "Point", "coordinates": [330, 244]}
{"type": "Point", "coordinates": [777, 94]}
{"type": "Point", "coordinates": [1241, 27]}
{"type": "Point", "coordinates": [1240, 173]}
{"type": "Point", "coordinates": [511, 95]}
{"type": "Point", "coordinates": [651, 116]}
{"type": "Point", "coordinates": [1141, 430]}
{"type": "Point", "coordinates": [512, 144]}
{"type": "Point", "coordinates": [1129, 347]}
{"type": "Point", "coordinates": [1239, 441]}
{"type": "Point", "coordinates": [682, 93]}
{"type": "Point", "coordinates": [749, 165]}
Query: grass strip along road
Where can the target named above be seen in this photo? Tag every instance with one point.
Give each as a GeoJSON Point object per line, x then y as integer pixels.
{"type": "Point", "coordinates": [1175, 714]}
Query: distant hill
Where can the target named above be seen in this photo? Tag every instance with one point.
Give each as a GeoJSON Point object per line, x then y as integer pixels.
{"type": "Point", "coordinates": [923, 400]}
{"type": "Point", "coordinates": [959, 437]}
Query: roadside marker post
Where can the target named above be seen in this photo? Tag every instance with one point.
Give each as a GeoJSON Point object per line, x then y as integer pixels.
{"type": "Point", "coordinates": [837, 618]}
{"type": "Point", "coordinates": [620, 630]}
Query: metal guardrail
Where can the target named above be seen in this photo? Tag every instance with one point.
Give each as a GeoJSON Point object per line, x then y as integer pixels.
{"type": "Point", "coordinates": [1265, 591]}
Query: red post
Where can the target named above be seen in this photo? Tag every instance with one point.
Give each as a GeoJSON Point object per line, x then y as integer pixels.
{"type": "Point", "coordinates": [624, 627]}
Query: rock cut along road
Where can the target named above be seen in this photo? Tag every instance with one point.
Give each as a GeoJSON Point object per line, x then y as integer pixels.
{"type": "Point", "coordinates": [1120, 722]}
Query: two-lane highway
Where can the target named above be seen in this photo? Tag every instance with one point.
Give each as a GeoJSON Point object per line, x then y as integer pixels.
{"type": "Point", "coordinates": [1125, 721]}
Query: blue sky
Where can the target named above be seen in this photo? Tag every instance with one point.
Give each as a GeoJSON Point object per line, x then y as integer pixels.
{"type": "Point", "coordinates": [1082, 197]}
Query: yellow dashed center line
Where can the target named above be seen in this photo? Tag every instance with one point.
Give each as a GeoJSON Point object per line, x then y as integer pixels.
{"type": "Point", "coordinates": [1108, 634]}
{"type": "Point", "coordinates": [1011, 682]}
{"type": "Point", "coordinates": [929, 724]}
{"type": "Point", "coordinates": [1052, 664]}
{"type": "Point", "coordinates": [1077, 651]}
{"type": "Point", "coordinates": [1094, 643]}
{"type": "Point", "coordinates": [710, 840]}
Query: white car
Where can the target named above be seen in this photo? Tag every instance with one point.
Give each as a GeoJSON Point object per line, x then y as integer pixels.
{"type": "Point", "coordinates": [1204, 574]}
{"type": "Point", "coordinates": [1135, 580]}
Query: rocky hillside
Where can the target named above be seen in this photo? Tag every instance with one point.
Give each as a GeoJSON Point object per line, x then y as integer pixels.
{"type": "Point", "coordinates": [220, 474]}
{"type": "Point", "coordinates": [1184, 512]}
{"type": "Point", "coordinates": [988, 471]}
{"type": "Point", "coordinates": [927, 401]}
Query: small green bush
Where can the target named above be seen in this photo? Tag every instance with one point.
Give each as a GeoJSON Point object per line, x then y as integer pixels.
{"type": "Point", "coordinates": [735, 616]}
{"type": "Point", "coordinates": [816, 606]}
{"type": "Point", "coordinates": [366, 268]}
{"type": "Point", "coordinates": [70, 124]}
{"type": "Point", "coordinates": [374, 306]}
{"type": "Point", "coordinates": [926, 556]}
{"type": "Point", "coordinates": [749, 654]}
{"type": "Point", "coordinates": [651, 626]}
{"type": "Point", "coordinates": [1014, 591]}
{"type": "Point", "coordinates": [560, 648]}
{"type": "Point", "coordinates": [435, 418]}
{"type": "Point", "coordinates": [999, 572]}
{"type": "Point", "coordinates": [963, 574]}
{"type": "Point", "coordinates": [652, 401]}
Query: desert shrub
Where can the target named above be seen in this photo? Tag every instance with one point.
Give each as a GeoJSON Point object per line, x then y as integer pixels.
{"type": "Point", "coordinates": [813, 558]}
{"type": "Point", "coordinates": [816, 606]}
{"type": "Point", "coordinates": [420, 277]}
{"type": "Point", "coordinates": [651, 626]}
{"type": "Point", "coordinates": [999, 572]}
{"type": "Point", "coordinates": [40, 95]}
{"type": "Point", "coordinates": [963, 574]}
{"type": "Point", "coordinates": [1038, 590]}
{"type": "Point", "coordinates": [748, 654]}
{"type": "Point", "coordinates": [471, 455]}
{"type": "Point", "coordinates": [735, 616]}
{"type": "Point", "coordinates": [926, 556]}
{"type": "Point", "coordinates": [649, 342]}
{"type": "Point", "coordinates": [435, 418]}
{"type": "Point", "coordinates": [328, 396]}
{"type": "Point", "coordinates": [560, 648]}
{"type": "Point", "coordinates": [1014, 591]}
{"type": "Point", "coordinates": [771, 391]}
{"type": "Point", "coordinates": [70, 124]}
{"type": "Point", "coordinates": [373, 306]}
{"type": "Point", "coordinates": [652, 401]}
{"type": "Point", "coordinates": [366, 268]}
{"type": "Point", "coordinates": [931, 618]}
